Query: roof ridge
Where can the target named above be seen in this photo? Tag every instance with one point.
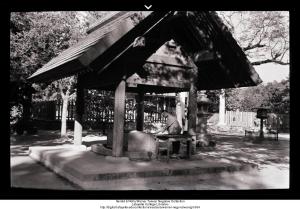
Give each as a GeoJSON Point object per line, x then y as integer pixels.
{"type": "Point", "coordinates": [106, 20]}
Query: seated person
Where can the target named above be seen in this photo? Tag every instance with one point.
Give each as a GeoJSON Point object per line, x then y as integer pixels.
{"type": "Point", "coordinates": [173, 127]}
{"type": "Point", "coordinates": [172, 124]}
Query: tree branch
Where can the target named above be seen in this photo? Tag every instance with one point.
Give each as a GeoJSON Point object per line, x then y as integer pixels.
{"type": "Point", "coordinates": [249, 47]}
{"type": "Point", "coordinates": [269, 61]}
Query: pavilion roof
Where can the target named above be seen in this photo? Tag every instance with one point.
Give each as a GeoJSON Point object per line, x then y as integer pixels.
{"type": "Point", "coordinates": [62, 63]}
{"type": "Point", "coordinates": [110, 43]}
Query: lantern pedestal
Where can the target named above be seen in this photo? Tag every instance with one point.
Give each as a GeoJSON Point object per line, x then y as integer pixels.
{"type": "Point", "coordinates": [202, 138]}
{"type": "Point", "coordinates": [202, 116]}
{"type": "Point", "coordinates": [262, 113]}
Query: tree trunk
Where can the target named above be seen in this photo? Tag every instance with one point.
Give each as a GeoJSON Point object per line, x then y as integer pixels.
{"type": "Point", "coordinates": [140, 112]}
{"type": "Point", "coordinates": [63, 131]}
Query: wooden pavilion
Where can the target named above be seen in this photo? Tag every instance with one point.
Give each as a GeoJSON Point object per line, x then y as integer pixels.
{"type": "Point", "coordinates": [120, 56]}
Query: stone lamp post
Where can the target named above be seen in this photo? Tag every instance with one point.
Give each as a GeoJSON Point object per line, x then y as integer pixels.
{"type": "Point", "coordinates": [202, 115]}
{"type": "Point", "coordinates": [262, 113]}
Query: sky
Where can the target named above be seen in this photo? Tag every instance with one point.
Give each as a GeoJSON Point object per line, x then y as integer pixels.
{"type": "Point", "coordinates": [270, 72]}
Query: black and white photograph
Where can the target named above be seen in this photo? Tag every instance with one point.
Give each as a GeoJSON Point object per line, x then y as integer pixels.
{"type": "Point", "coordinates": [149, 100]}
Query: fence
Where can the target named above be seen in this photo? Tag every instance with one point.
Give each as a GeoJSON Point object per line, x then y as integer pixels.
{"type": "Point", "coordinates": [249, 120]}
{"type": "Point", "coordinates": [99, 114]}
{"type": "Point", "coordinates": [242, 119]}
{"type": "Point", "coordinates": [103, 113]}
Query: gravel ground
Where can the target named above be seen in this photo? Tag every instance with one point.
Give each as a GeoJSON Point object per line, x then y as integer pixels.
{"type": "Point", "coordinates": [271, 157]}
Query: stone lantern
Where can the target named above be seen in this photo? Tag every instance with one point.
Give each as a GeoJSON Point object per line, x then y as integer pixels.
{"type": "Point", "coordinates": [202, 114]}
{"type": "Point", "coordinates": [262, 113]}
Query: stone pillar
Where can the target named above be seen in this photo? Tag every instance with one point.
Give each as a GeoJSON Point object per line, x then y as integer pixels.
{"type": "Point", "coordinates": [183, 96]}
{"type": "Point", "coordinates": [222, 108]}
{"type": "Point", "coordinates": [202, 117]}
{"type": "Point", "coordinates": [79, 110]}
{"type": "Point", "coordinates": [192, 115]}
{"type": "Point", "coordinates": [119, 117]}
{"type": "Point", "coordinates": [179, 113]}
{"type": "Point", "coordinates": [202, 128]}
{"type": "Point", "coordinates": [140, 111]}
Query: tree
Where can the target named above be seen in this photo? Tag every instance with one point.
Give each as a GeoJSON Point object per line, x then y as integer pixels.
{"type": "Point", "coordinates": [264, 37]}
{"type": "Point", "coordinates": [37, 37]}
{"type": "Point", "coordinates": [279, 96]}
{"type": "Point", "coordinates": [274, 95]}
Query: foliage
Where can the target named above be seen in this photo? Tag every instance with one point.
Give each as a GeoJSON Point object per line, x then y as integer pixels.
{"type": "Point", "coordinates": [213, 96]}
{"type": "Point", "coordinates": [37, 37]}
{"type": "Point", "coordinates": [102, 99]}
{"type": "Point", "coordinates": [274, 95]}
{"type": "Point", "coordinates": [15, 114]}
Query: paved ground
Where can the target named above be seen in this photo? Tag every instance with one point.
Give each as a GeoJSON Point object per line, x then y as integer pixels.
{"type": "Point", "coordinates": [27, 173]}
{"type": "Point", "coordinates": [272, 158]}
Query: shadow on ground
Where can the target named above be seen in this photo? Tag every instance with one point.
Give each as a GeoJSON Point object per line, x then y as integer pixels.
{"type": "Point", "coordinates": [20, 144]}
{"type": "Point", "coordinates": [243, 150]}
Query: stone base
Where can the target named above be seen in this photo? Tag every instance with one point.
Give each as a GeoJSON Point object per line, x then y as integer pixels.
{"type": "Point", "coordinates": [91, 171]}
{"type": "Point", "coordinates": [140, 142]}
{"type": "Point", "coordinates": [143, 156]}
{"type": "Point", "coordinates": [100, 149]}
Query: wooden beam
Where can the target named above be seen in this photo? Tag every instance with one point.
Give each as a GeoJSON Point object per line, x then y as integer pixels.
{"type": "Point", "coordinates": [169, 61]}
{"type": "Point", "coordinates": [203, 56]}
{"type": "Point", "coordinates": [79, 110]}
{"type": "Point", "coordinates": [119, 116]}
{"type": "Point", "coordinates": [173, 79]}
{"type": "Point", "coordinates": [91, 80]}
{"type": "Point", "coordinates": [140, 111]}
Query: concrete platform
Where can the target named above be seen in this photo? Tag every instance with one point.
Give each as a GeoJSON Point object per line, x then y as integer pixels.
{"type": "Point", "coordinates": [95, 172]}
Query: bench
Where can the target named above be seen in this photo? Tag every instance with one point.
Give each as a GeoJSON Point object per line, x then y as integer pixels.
{"type": "Point", "coordinates": [274, 132]}
{"type": "Point", "coordinates": [249, 132]}
{"type": "Point", "coordinates": [269, 131]}
{"type": "Point", "coordinates": [169, 139]}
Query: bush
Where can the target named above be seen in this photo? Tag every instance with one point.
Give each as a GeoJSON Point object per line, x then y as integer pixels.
{"type": "Point", "coordinates": [15, 116]}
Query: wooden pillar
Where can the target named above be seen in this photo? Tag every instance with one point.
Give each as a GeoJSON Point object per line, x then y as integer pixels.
{"type": "Point", "coordinates": [261, 132]}
{"type": "Point", "coordinates": [140, 111]}
{"type": "Point", "coordinates": [192, 110]}
{"type": "Point", "coordinates": [119, 116]}
{"type": "Point", "coordinates": [79, 110]}
{"type": "Point", "coordinates": [192, 116]}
